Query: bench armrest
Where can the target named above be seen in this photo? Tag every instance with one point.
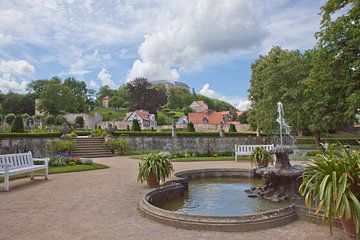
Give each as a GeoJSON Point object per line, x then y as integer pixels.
{"type": "Point", "coordinates": [45, 160]}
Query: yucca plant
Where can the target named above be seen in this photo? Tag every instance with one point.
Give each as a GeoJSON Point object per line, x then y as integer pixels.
{"type": "Point", "coordinates": [154, 169]}
{"type": "Point", "coordinates": [332, 182]}
{"type": "Point", "coordinates": [260, 157]}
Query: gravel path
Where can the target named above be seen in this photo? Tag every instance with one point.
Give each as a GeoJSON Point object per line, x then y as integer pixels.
{"type": "Point", "coordinates": [102, 204]}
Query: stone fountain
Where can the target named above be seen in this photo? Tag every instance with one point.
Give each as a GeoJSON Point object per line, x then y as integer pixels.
{"type": "Point", "coordinates": [281, 181]}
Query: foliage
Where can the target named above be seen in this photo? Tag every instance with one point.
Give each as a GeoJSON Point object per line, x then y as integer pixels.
{"type": "Point", "coordinates": [190, 127]}
{"type": "Point", "coordinates": [260, 157]}
{"type": "Point", "coordinates": [215, 104]}
{"type": "Point", "coordinates": [80, 92]}
{"type": "Point", "coordinates": [17, 125]}
{"type": "Point", "coordinates": [135, 126]}
{"type": "Point", "coordinates": [18, 103]}
{"type": "Point", "coordinates": [243, 118]}
{"type": "Point", "coordinates": [30, 135]}
{"type": "Point", "coordinates": [163, 118]}
{"type": "Point", "coordinates": [50, 120]}
{"type": "Point", "coordinates": [333, 183]}
{"type": "Point", "coordinates": [116, 102]}
{"type": "Point", "coordinates": [109, 114]}
{"type": "Point", "coordinates": [159, 164]}
{"type": "Point", "coordinates": [58, 161]}
{"type": "Point", "coordinates": [142, 95]}
{"type": "Point", "coordinates": [60, 119]}
{"type": "Point", "coordinates": [66, 146]}
{"type": "Point", "coordinates": [179, 97]}
{"type": "Point", "coordinates": [118, 145]}
{"type": "Point", "coordinates": [56, 98]}
{"type": "Point", "coordinates": [232, 128]}
{"type": "Point", "coordinates": [98, 132]}
{"type": "Point", "coordinates": [79, 121]}
{"type": "Point", "coordinates": [9, 118]}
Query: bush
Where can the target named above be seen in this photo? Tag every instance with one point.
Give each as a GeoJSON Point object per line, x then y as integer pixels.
{"type": "Point", "coordinates": [117, 145]}
{"type": "Point", "coordinates": [30, 135]}
{"type": "Point", "coordinates": [158, 164]}
{"type": "Point", "coordinates": [98, 132]}
{"type": "Point", "coordinates": [73, 135]}
{"type": "Point", "coordinates": [9, 118]}
{"type": "Point", "coordinates": [50, 120]}
{"type": "Point", "coordinates": [232, 128]}
{"type": "Point", "coordinates": [135, 126]}
{"type": "Point", "coordinates": [344, 141]}
{"type": "Point", "coordinates": [66, 146]}
{"type": "Point", "coordinates": [260, 157]}
{"type": "Point", "coordinates": [60, 119]}
{"type": "Point", "coordinates": [57, 161]}
{"type": "Point", "coordinates": [79, 121]}
{"type": "Point", "coordinates": [17, 125]}
{"type": "Point", "coordinates": [190, 127]}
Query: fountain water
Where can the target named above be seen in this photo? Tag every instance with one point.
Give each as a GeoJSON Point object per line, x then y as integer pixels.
{"type": "Point", "coordinates": [282, 180]}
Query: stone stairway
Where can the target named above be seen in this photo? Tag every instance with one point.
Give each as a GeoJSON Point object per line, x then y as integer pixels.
{"type": "Point", "coordinates": [91, 148]}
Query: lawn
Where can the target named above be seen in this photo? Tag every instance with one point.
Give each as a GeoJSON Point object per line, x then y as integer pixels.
{"type": "Point", "coordinates": [67, 169]}
{"type": "Point", "coordinates": [109, 114]}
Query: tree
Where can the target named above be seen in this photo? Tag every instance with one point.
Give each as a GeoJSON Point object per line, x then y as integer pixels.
{"type": "Point", "coordinates": [135, 126]}
{"type": "Point", "coordinates": [37, 87]}
{"type": "Point", "coordinates": [103, 92]}
{"type": "Point", "coordinates": [17, 125]}
{"type": "Point", "coordinates": [232, 128]}
{"type": "Point", "coordinates": [143, 96]}
{"type": "Point", "coordinates": [243, 118]}
{"type": "Point", "coordinates": [18, 103]}
{"type": "Point", "coordinates": [50, 120]}
{"type": "Point", "coordinates": [57, 98]}
{"type": "Point", "coordinates": [79, 121]}
{"type": "Point", "coordinates": [116, 102]}
{"type": "Point", "coordinates": [9, 118]}
{"type": "Point", "coordinates": [79, 90]}
{"type": "Point", "coordinates": [178, 98]}
{"type": "Point", "coordinates": [59, 119]}
{"type": "Point", "coordinates": [190, 127]}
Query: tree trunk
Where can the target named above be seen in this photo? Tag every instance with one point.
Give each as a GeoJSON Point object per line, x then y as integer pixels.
{"type": "Point", "coordinates": [317, 138]}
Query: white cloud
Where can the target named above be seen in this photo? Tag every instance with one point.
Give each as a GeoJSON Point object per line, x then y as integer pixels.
{"type": "Point", "coordinates": [93, 84]}
{"type": "Point", "coordinates": [105, 77]}
{"type": "Point", "coordinates": [199, 31]}
{"type": "Point", "coordinates": [13, 75]}
{"type": "Point", "coordinates": [238, 102]}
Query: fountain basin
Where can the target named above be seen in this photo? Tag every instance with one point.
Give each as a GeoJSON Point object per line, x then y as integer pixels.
{"type": "Point", "coordinates": [178, 187]}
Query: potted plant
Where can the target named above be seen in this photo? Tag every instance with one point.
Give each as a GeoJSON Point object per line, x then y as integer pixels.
{"type": "Point", "coordinates": [332, 182]}
{"type": "Point", "coordinates": [155, 168]}
{"type": "Point", "coordinates": [260, 157]}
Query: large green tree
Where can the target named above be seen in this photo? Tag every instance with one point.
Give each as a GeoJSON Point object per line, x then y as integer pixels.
{"type": "Point", "coordinates": [178, 98]}
{"type": "Point", "coordinates": [78, 88]}
{"type": "Point", "coordinates": [18, 103]}
{"type": "Point", "coordinates": [36, 87]}
{"type": "Point", "coordinates": [56, 98]}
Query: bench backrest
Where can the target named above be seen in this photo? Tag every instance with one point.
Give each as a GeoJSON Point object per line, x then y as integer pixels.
{"type": "Point", "coordinates": [247, 149]}
{"type": "Point", "coordinates": [17, 160]}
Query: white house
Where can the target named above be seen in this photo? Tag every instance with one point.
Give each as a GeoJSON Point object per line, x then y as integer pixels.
{"type": "Point", "coordinates": [145, 119]}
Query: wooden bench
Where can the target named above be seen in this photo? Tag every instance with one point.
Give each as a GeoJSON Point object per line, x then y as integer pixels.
{"type": "Point", "coordinates": [13, 164]}
{"type": "Point", "coordinates": [246, 150]}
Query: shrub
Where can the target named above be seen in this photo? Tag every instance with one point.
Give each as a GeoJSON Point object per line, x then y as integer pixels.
{"type": "Point", "coordinates": [157, 164]}
{"type": "Point", "coordinates": [79, 121]}
{"type": "Point", "coordinates": [17, 125]}
{"type": "Point", "coordinates": [190, 127]}
{"type": "Point", "coordinates": [9, 118]}
{"type": "Point", "coordinates": [66, 146]}
{"type": "Point", "coordinates": [50, 120]}
{"type": "Point", "coordinates": [232, 128]}
{"type": "Point", "coordinates": [57, 161]}
{"type": "Point", "coordinates": [73, 135]}
{"type": "Point", "coordinates": [118, 145]}
{"type": "Point", "coordinates": [60, 119]}
{"type": "Point", "coordinates": [135, 126]}
{"type": "Point", "coordinates": [98, 132]}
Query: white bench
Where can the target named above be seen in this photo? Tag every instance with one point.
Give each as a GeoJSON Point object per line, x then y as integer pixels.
{"type": "Point", "coordinates": [246, 150]}
{"type": "Point", "coordinates": [13, 164]}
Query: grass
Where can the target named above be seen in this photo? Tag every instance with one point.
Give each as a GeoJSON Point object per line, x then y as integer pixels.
{"type": "Point", "coordinates": [67, 169]}
{"type": "Point", "coordinates": [109, 114]}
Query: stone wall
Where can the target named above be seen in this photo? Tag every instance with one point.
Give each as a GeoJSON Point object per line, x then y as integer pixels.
{"type": "Point", "coordinates": [202, 127]}
{"type": "Point", "coordinates": [38, 146]}
{"type": "Point", "coordinates": [89, 121]}
{"type": "Point", "coordinates": [194, 143]}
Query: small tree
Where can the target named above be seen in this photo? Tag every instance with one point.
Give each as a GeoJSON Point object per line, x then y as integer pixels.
{"type": "Point", "coordinates": [135, 126]}
{"type": "Point", "coordinates": [50, 120]}
{"type": "Point", "coordinates": [9, 118]}
{"type": "Point", "coordinates": [60, 119]}
{"type": "Point", "coordinates": [190, 127]}
{"type": "Point", "coordinates": [79, 121]}
{"type": "Point", "coordinates": [232, 128]}
{"type": "Point", "coordinates": [17, 125]}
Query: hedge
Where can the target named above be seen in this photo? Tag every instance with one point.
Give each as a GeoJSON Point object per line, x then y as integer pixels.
{"type": "Point", "coordinates": [35, 135]}
{"type": "Point", "coordinates": [179, 134]}
{"type": "Point", "coordinates": [345, 141]}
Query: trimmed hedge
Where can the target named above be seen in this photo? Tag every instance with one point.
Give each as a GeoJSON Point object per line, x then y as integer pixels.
{"type": "Point", "coordinates": [179, 134]}
{"type": "Point", "coordinates": [345, 141]}
{"type": "Point", "coordinates": [34, 135]}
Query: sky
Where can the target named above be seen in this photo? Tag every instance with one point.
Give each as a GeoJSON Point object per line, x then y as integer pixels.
{"type": "Point", "coordinates": [208, 44]}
